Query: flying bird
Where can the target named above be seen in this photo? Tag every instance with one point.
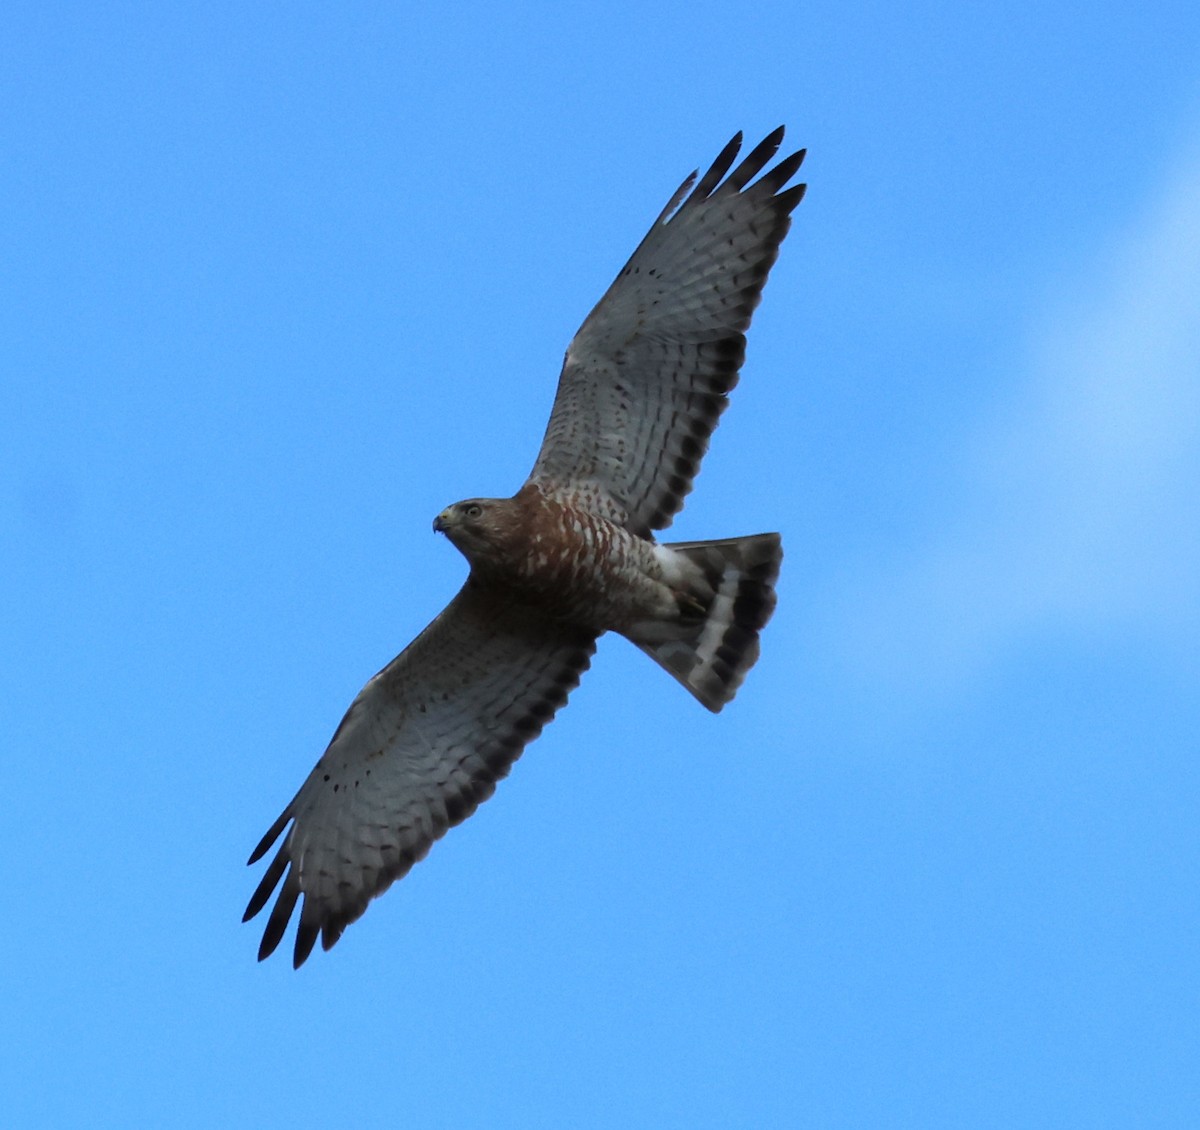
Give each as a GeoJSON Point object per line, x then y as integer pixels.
{"type": "Point", "coordinates": [570, 556]}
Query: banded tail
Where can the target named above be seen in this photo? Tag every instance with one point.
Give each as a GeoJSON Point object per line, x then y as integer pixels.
{"type": "Point", "coordinates": [715, 640]}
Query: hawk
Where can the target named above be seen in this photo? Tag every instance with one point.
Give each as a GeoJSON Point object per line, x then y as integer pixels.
{"type": "Point", "coordinates": [570, 556]}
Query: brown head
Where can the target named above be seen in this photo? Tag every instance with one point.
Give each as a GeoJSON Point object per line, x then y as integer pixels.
{"type": "Point", "coordinates": [481, 529]}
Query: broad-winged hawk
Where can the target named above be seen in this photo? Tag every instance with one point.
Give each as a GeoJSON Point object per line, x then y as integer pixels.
{"type": "Point", "coordinates": [567, 558]}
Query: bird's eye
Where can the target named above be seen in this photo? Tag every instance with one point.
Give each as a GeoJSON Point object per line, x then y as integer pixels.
{"type": "Point", "coordinates": [473, 510]}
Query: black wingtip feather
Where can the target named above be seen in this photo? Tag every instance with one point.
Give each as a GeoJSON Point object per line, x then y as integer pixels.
{"type": "Point", "coordinates": [718, 169]}
{"type": "Point", "coordinates": [266, 885]}
{"type": "Point", "coordinates": [754, 162]}
{"type": "Point", "coordinates": [280, 914]}
{"type": "Point", "coordinates": [306, 938]}
{"type": "Point", "coordinates": [782, 173]}
{"type": "Point", "coordinates": [791, 197]}
{"type": "Point", "coordinates": [331, 932]}
{"type": "Point", "coordinates": [272, 835]}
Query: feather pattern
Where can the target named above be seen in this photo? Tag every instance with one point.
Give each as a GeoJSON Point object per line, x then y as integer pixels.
{"type": "Point", "coordinates": [419, 749]}
{"type": "Point", "coordinates": [648, 374]}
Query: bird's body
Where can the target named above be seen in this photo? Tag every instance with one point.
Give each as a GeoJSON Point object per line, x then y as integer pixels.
{"type": "Point", "coordinates": [570, 556]}
{"type": "Point", "coordinates": [579, 565]}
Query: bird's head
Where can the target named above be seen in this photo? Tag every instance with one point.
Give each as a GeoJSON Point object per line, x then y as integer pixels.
{"type": "Point", "coordinates": [473, 525]}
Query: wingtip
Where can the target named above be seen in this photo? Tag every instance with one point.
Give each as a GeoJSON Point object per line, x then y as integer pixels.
{"type": "Point", "coordinates": [267, 946]}
{"type": "Point", "coordinates": [754, 162]}
{"type": "Point", "coordinates": [306, 938]}
{"type": "Point", "coordinates": [271, 836]}
{"type": "Point", "coordinates": [672, 205]}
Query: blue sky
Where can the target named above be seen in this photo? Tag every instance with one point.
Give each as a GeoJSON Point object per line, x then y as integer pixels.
{"type": "Point", "coordinates": [279, 282]}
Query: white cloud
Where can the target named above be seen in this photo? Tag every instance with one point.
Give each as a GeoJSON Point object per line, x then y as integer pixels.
{"type": "Point", "coordinates": [1081, 509]}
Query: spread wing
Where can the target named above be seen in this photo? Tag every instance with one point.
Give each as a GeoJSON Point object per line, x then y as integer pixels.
{"type": "Point", "coordinates": [648, 373]}
{"type": "Point", "coordinates": [420, 748]}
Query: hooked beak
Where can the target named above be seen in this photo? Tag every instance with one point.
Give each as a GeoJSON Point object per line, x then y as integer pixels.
{"type": "Point", "coordinates": [439, 523]}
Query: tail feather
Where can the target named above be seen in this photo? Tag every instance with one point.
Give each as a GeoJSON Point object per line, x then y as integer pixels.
{"type": "Point", "coordinates": [731, 597]}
